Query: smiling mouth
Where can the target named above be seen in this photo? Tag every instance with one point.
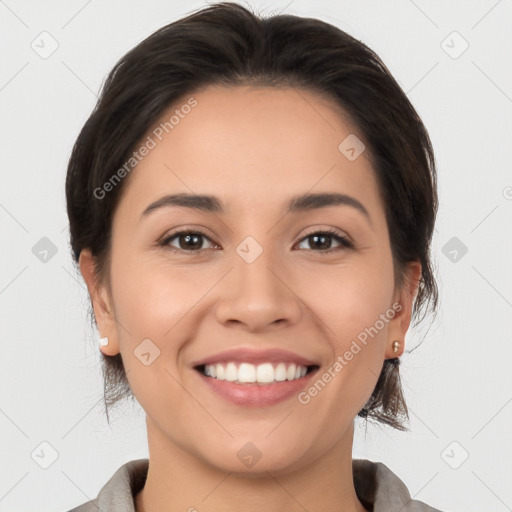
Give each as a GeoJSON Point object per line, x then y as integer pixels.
{"type": "Point", "coordinates": [263, 374]}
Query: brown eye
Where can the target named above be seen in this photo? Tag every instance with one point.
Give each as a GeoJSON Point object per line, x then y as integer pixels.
{"type": "Point", "coordinates": [322, 241]}
{"type": "Point", "coordinates": [188, 241]}
{"type": "Point", "coordinates": [193, 241]}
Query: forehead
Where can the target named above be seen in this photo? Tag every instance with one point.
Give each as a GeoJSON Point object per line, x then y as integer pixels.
{"type": "Point", "coordinates": [251, 146]}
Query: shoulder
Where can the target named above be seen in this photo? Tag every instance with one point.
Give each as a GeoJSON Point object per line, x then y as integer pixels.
{"type": "Point", "coordinates": [86, 507]}
{"type": "Point", "coordinates": [380, 490]}
{"type": "Point", "coordinates": [117, 495]}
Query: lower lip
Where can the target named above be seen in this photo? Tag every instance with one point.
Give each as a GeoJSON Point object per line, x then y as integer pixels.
{"type": "Point", "coordinates": [257, 395]}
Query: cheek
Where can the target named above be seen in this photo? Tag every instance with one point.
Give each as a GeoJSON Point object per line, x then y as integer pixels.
{"type": "Point", "coordinates": [352, 301]}
{"type": "Point", "coordinates": [152, 302]}
{"type": "Point", "coordinates": [351, 304]}
{"type": "Point", "coordinates": [153, 309]}
{"type": "Point", "coordinates": [351, 297]}
{"type": "Point", "coordinates": [150, 295]}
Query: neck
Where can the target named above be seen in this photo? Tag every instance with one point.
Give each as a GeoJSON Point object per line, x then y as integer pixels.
{"type": "Point", "coordinates": [179, 480]}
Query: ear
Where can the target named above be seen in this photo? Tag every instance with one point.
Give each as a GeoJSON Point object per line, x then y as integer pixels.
{"type": "Point", "coordinates": [399, 324]}
{"type": "Point", "coordinates": [101, 302]}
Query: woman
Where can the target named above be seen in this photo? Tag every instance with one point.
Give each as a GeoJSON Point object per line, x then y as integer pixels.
{"type": "Point", "coordinates": [251, 206]}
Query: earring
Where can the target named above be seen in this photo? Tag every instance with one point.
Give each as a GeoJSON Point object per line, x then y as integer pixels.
{"type": "Point", "coordinates": [396, 346]}
{"type": "Point", "coordinates": [104, 341]}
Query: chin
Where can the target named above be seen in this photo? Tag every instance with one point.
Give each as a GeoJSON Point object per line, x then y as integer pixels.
{"type": "Point", "coordinates": [255, 458]}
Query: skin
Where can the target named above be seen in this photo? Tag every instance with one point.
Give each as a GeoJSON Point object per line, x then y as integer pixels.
{"type": "Point", "coordinates": [254, 149]}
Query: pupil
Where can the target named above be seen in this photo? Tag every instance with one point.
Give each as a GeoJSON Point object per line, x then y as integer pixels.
{"type": "Point", "coordinates": [188, 238]}
{"type": "Point", "coordinates": [319, 241]}
{"type": "Point", "coordinates": [323, 237]}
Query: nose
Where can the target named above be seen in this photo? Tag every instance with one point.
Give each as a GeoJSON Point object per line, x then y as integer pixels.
{"type": "Point", "coordinates": [258, 296]}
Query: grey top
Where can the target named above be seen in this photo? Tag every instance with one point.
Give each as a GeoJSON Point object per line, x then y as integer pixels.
{"type": "Point", "coordinates": [377, 487]}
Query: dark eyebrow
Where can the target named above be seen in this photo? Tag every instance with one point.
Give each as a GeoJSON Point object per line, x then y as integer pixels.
{"type": "Point", "coordinates": [304, 202]}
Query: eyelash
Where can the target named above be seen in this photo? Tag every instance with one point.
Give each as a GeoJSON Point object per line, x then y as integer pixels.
{"type": "Point", "coordinates": [345, 242]}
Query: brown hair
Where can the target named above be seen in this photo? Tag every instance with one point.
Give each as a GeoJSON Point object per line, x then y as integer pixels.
{"type": "Point", "coordinates": [226, 44]}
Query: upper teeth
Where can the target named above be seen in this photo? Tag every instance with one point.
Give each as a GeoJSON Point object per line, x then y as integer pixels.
{"type": "Point", "coordinates": [247, 372]}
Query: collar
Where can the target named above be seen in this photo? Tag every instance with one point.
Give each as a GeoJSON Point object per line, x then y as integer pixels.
{"type": "Point", "coordinates": [376, 486]}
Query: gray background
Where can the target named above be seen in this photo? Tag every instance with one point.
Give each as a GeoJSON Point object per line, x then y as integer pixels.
{"type": "Point", "coordinates": [457, 382]}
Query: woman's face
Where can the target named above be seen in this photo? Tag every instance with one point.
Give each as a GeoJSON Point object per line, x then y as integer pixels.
{"type": "Point", "coordinates": [254, 278]}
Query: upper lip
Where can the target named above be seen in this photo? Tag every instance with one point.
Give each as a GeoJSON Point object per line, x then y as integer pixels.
{"type": "Point", "coordinates": [254, 356]}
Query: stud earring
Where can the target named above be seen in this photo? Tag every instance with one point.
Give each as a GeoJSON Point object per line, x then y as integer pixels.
{"type": "Point", "coordinates": [396, 346]}
{"type": "Point", "coordinates": [104, 341]}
